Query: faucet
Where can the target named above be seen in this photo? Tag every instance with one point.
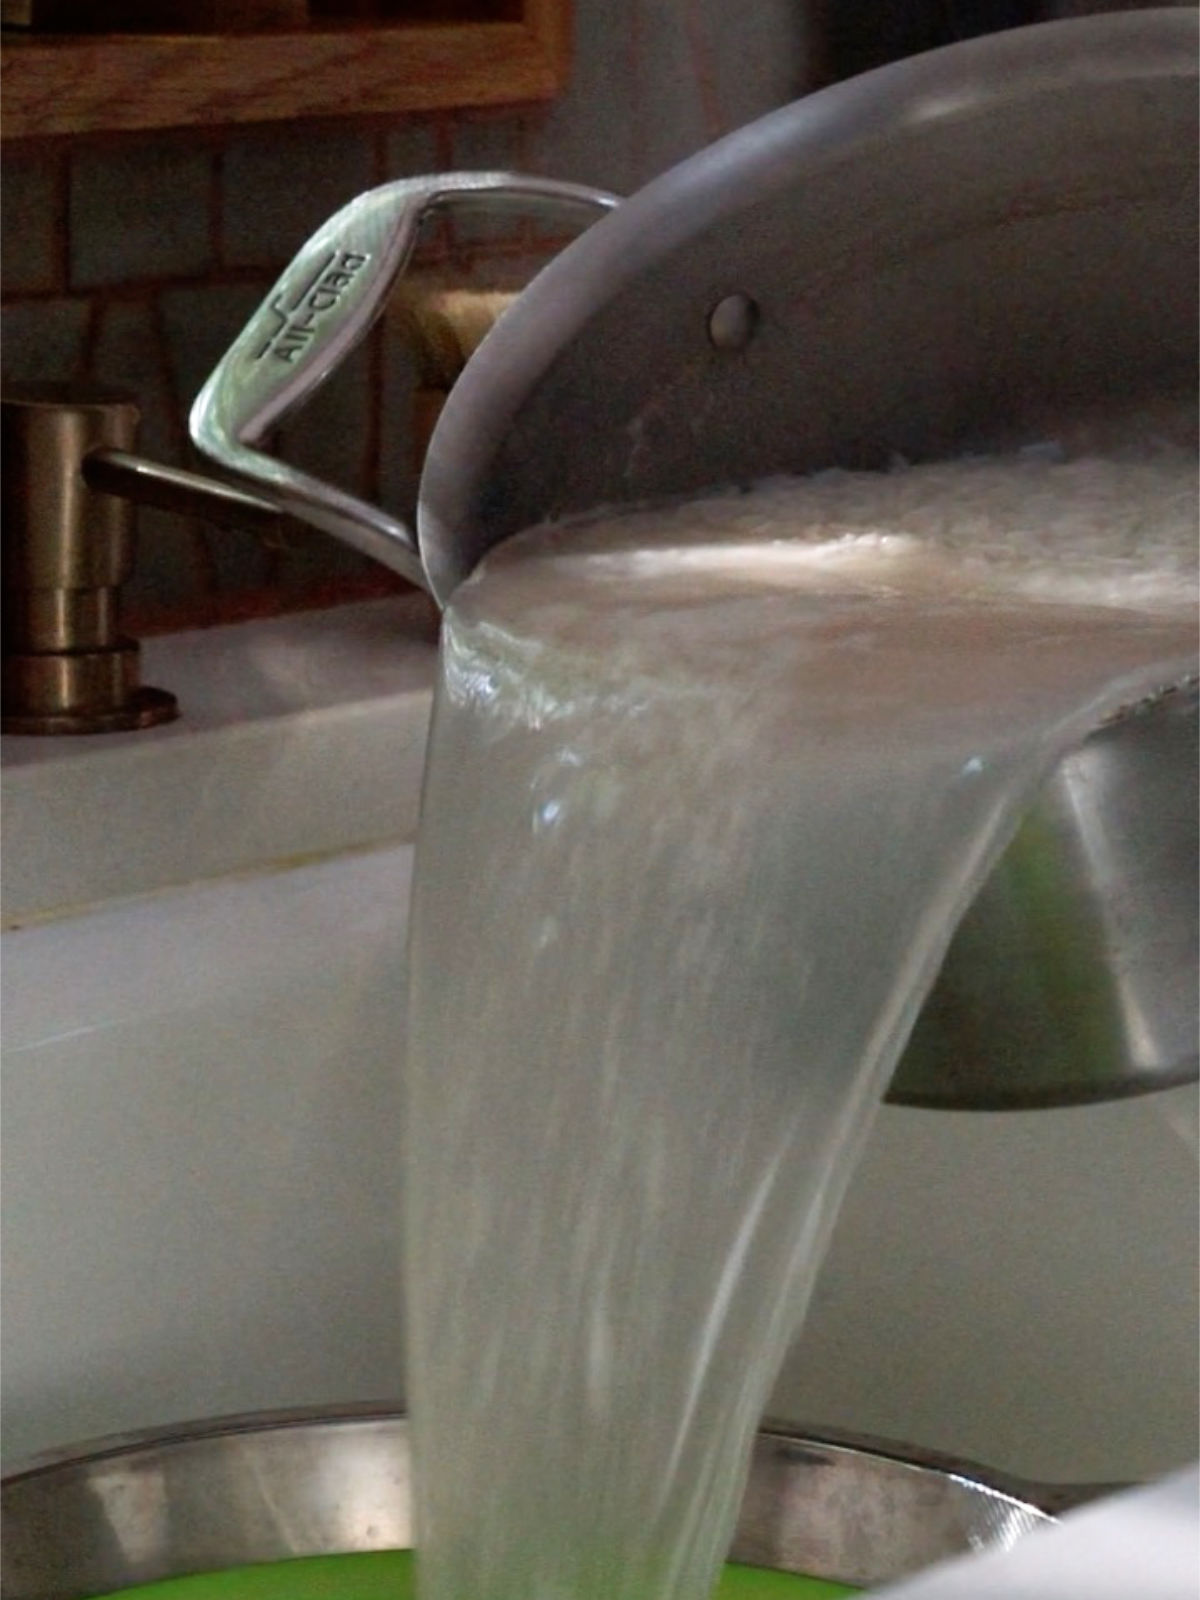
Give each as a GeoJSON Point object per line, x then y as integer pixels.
{"type": "Point", "coordinates": [71, 483]}
{"type": "Point", "coordinates": [71, 476]}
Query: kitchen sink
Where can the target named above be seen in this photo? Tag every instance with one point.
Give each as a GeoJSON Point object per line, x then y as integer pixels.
{"type": "Point", "coordinates": [203, 1018]}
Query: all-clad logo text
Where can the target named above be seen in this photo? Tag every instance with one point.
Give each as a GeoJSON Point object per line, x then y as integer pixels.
{"type": "Point", "coordinates": [298, 319]}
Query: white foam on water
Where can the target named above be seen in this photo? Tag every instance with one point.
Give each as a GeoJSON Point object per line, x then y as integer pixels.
{"type": "Point", "coordinates": [707, 793]}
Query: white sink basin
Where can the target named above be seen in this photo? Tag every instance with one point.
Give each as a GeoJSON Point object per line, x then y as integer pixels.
{"type": "Point", "coordinates": [200, 1186]}
{"type": "Point", "coordinates": [202, 1009]}
{"type": "Point", "coordinates": [202, 1015]}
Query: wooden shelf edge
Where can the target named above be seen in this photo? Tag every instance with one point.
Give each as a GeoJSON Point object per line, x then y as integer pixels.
{"type": "Point", "coordinates": [112, 83]}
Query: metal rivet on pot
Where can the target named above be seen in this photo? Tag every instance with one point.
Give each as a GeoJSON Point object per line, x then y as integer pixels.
{"type": "Point", "coordinates": [732, 321]}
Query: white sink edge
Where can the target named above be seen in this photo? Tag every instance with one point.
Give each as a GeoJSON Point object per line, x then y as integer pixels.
{"type": "Point", "coordinates": [300, 736]}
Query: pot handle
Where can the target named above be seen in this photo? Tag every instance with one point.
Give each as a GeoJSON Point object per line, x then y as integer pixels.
{"type": "Point", "coordinates": [319, 310]}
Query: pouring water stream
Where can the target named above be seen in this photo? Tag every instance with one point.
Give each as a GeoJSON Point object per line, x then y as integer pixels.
{"type": "Point", "coordinates": [703, 806]}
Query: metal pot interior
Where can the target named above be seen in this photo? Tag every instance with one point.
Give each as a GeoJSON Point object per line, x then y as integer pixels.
{"type": "Point", "coordinates": [267, 1487]}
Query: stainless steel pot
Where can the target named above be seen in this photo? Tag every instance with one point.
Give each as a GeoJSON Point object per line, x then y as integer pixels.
{"type": "Point", "coordinates": [265, 1487]}
{"type": "Point", "coordinates": [974, 248]}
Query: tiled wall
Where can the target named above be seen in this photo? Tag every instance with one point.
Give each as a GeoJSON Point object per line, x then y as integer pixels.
{"type": "Point", "coordinates": [135, 261]}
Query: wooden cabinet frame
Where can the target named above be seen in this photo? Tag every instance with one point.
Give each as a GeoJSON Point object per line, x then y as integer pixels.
{"type": "Point", "coordinates": [81, 84]}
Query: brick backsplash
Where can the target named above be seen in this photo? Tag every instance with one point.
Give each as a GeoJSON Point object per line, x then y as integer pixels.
{"type": "Point", "coordinates": [141, 211]}
{"type": "Point", "coordinates": [32, 195]}
{"type": "Point", "coordinates": [281, 183]}
{"type": "Point", "coordinates": [136, 260]}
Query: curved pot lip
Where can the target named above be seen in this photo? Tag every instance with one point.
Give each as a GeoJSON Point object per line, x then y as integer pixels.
{"type": "Point", "coordinates": [953, 84]}
{"type": "Point", "coordinates": [790, 1437]}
